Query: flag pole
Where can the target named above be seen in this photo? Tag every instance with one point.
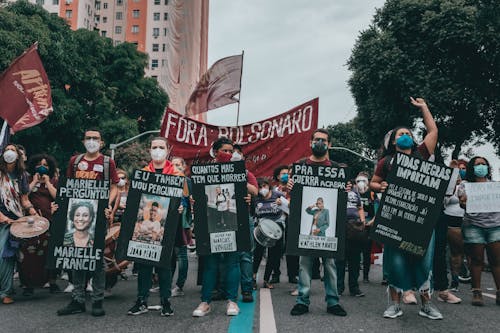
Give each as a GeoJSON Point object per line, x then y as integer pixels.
{"type": "Point", "coordinates": [239, 97]}
{"type": "Point", "coordinates": [4, 128]}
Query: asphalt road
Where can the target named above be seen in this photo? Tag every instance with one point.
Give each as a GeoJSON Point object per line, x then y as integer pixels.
{"type": "Point", "coordinates": [38, 313]}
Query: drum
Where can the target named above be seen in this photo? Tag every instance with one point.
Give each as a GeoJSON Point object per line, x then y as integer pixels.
{"type": "Point", "coordinates": [267, 232]}
{"type": "Point", "coordinates": [32, 232]}
{"type": "Point", "coordinates": [113, 267]}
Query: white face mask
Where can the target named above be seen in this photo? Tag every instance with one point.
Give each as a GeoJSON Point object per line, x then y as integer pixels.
{"type": "Point", "coordinates": [9, 156]}
{"type": "Point", "coordinates": [236, 157]}
{"type": "Point", "coordinates": [362, 184]}
{"type": "Point", "coordinates": [92, 146]}
{"type": "Point", "coordinates": [122, 182]}
{"type": "Point", "coordinates": [264, 191]}
{"type": "Point", "coordinates": [158, 154]}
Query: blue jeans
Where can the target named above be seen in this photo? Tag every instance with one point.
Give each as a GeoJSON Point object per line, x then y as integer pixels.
{"type": "Point", "coordinates": [231, 261]}
{"type": "Point", "coordinates": [246, 264]}
{"type": "Point", "coordinates": [330, 281]}
{"type": "Point", "coordinates": [183, 265]}
{"type": "Point", "coordinates": [144, 281]}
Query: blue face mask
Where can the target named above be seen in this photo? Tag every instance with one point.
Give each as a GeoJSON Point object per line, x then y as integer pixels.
{"type": "Point", "coordinates": [480, 170]}
{"type": "Point", "coordinates": [462, 173]}
{"type": "Point", "coordinates": [284, 178]}
{"type": "Point", "coordinates": [42, 170]}
{"type": "Point", "coordinates": [404, 142]}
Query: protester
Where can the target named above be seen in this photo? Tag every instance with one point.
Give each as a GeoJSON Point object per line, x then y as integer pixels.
{"type": "Point", "coordinates": [158, 164]}
{"type": "Point", "coordinates": [91, 165]}
{"type": "Point", "coordinates": [121, 198]}
{"type": "Point", "coordinates": [481, 231]}
{"type": "Point", "coordinates": [223, 152]}
{"type": "Point", "coordinates": [320, 142]}
{"type": "Point", "coordinates": [14, 202]}
{"type": "Point", "coordinates": [404, 271]}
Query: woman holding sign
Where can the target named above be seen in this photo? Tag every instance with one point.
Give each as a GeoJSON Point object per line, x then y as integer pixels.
{"type": "Point", "coordinates": [481, 230]}
{"type": "Point", "coordinates": [404, 271]}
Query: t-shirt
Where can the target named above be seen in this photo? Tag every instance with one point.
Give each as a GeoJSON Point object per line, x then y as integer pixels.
{"type": "Point", "coordinates": [92, 169]}
{"type": "Point", "coordinates": [382, 171]}
{"type": "Point", "coordinates": [483, 220]}
{"type": "Point", "coordinates": [368, 200]}
{"type": "Point", "coordinates": [11, 188]}
{"type": "Point", "coordinates": [40, 198]}
{"type": "Point", "coordinates": [251, 179]}
{"type": "Point", "coordinates": [267, 207]}
{"type": "Point", "coordinates": [353, 204]}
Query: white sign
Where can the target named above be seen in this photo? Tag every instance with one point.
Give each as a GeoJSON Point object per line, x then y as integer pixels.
{"type": "Point", "coordinates": [483, 197]}
{"type": "Point", "coordinates": [223, 241]}
{"type": "Point", "coordinates": [144, 251]}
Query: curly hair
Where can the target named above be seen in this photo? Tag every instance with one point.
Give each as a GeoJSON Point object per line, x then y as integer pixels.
{"type": "Point", "coordinates": [79, 204]}
{"type": "Point", "coordinates": [36, 159]}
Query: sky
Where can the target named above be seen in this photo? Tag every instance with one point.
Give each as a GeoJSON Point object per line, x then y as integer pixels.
{"type": "Point", "coordinates": [294, 51]}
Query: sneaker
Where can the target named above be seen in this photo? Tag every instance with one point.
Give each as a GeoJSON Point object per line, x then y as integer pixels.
{"type": "Point", "coordinates": [357, 293]}
{"type": "Point", "coordinates": [64, 276]}
{"type": "Point", "coordinates": [72, 308]}
{"type": "Point", "coordinates": [409, 297]}
{"type": "Point", "coordinates": [7, 300]}
{"type": "Point", "coordinates": [139, 307]}
{"type": "Point", "coordinates": [166, 309]}
{"type": "Point", "coordinates": [154, 289]}
{"type": "Point", "coordinates": [430, 311]}
{"type": "Point", "coordinates": [299, 309]}
{"type": "Point", "coordinates": [448, 297]}
{"type": "Point", "coordinates": [246, 297]}
{"type": "Point", "coordinates": [336, 310]}
{"type": "Point", "coordinates": [46, 286]}
{"type": "Point", "coordinates": [89, 287]}
{"type": "Point", "coordinates": [464, 278]}
{"type": "Point", "coordinates": [97, 310]}
{"type": "Point", "coordinates": [393, 311]}
{"type": "Point", "coordinates": [69, 288]}
{"type": "Point", "coordinates": [202, 310]}
{"type": "Point", "coordinates": [477, 297]}
{"type": "Point", "coordinates": [294, 292]}
{"type": "Point", "coordinates": [232, 309]}
{"type": "Point", "coordinates": [177, 291]}
{"type": "Point", "coordinates": [54, 288]}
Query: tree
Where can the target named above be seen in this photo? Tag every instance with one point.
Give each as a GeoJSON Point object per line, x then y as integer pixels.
{"type": "Point", "coordinates": [446, 51]}
{"type": "Point", "coordinates": [94, 84]}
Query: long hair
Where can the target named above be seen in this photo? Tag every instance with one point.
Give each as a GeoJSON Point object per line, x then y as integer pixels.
{"type": "Point", "coordinates": [470, 176]}
{"type": "Point", "coordinates": [388, 147]}
{"type": "Point", "coordinates": [19, 167]}
{"type": "Point", "coordinates": [35, 159]}
{"type": "Point", "coordinates": [127, 185]}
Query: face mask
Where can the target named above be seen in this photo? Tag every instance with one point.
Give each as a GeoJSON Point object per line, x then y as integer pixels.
{"type": "Point", "coordinates": [404, 142]}
{"type": "Point", "coordinates": [362, 184]}
{"type": "Point", "coordinates": [9, 156]}
{"type": "Point", "coordinates": [92, 146]}
{"type": "Point", "coordinates": [158, 154]}
{"type": "Point", "coordinates": [264, 191]}
{"type": "Point", "coordinates": [319, 148]}
{"type": "Point", "coordinates": [236, 157]}
{"type": "Point", "coordinates": [224, 157]}
{"type": "Point", "coordinates": [284, 178]}
{"type": "Point", "coordinates": [122, 182]}
{"type": "Point", "coordinates": [480, 170]}
{"type": "Point", "coordinates": [462, 173]}
{"type": "Point", "coordinates": [42, 170]}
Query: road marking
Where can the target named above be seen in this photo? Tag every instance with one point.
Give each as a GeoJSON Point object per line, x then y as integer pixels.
{"type": "Point", "coordinates": [490, 295]}
{"type": "Point", "coordinates": [267, 322]}
{"type": "Point", "coordinates": [243, 323]}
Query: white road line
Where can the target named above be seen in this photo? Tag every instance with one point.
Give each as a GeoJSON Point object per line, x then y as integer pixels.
{"type": "Point", "coordinates": [490, 295]}
{"type": "Point", "coordinates": [267, 322]}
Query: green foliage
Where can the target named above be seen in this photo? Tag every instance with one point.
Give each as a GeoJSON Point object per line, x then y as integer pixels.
{"type": "Point", "coordinates": [94, 84]}
{"type": "Point", "coordinates": [446, 51]}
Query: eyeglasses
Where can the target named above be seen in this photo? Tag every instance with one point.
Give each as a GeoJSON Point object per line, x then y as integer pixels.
{"type": "Point", "coordinates": [97, 138]}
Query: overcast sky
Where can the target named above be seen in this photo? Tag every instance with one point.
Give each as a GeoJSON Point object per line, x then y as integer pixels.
{"type": "Point", "coordinates": [295, 50]}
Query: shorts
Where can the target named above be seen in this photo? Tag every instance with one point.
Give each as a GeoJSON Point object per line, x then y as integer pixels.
{"type": "Point", "coordinates": [478, 235]}
{"type": "Point", "coordinates": [453, 221]}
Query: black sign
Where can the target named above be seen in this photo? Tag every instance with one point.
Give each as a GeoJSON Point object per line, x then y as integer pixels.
{"type": "Point", "coordinates": [318, 204]}
{"type": "Point", "coordinates": [221, 213]}
{"type": "Point", "coordinates": [411, 204]}
{"type": "Point", "coordinates": [151, 218]}
{"type": "Point", "coordinates": [79, 225]}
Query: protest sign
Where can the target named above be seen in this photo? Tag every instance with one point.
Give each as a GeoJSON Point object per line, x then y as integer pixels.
{"type": "Point", "coordinates": [483, 197]}
{"type": "Point", "coordinates": [317, 211]}
{"type": "Point", "coordinates": [411, 204]}
{"type": "Point", "coordinates": [79, 225]}
{"type": "Point", "coordinates": [221, 219]}
{"type": "Point", "coordinates": [151, 218]}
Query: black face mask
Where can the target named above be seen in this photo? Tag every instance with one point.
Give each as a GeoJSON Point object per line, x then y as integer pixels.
{"type": "Point", "coordinates": [319, 148]}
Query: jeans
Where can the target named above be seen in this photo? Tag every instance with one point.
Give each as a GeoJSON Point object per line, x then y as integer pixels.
{"type": "Point", "coordinates": [80, 283]}
{"type": "Point", "coordinates": [181, 254]}
{"type": "Point", "coordinates": [352, 259]}
{"type": "Point", "coordinates": [330, 281]}
{"type": "Point", "coordinates": [231, 261]}
{"type": "Point", "coordinates": [440, 271]}
{"type": "Point", "coordinates": [6, 264]}
{"type": "Point", "coordinates": [246, 260]}
{"type": "Point", "coordinates": [144, 281]}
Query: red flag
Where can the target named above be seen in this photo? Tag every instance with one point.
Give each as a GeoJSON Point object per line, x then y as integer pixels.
{"type": "Point", "coordinates": [217, 87]}
{"type": "Point", "coordinates": [25, 98]}
{"type": "Point", "coordinates": [266, 144]}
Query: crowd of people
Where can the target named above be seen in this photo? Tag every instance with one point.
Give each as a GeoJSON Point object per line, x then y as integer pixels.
{"type": "Point", "coordinates": [30, 189]}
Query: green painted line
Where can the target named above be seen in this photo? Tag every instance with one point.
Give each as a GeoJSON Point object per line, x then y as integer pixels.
{"type": "Point", "coordinates": [243, 322]}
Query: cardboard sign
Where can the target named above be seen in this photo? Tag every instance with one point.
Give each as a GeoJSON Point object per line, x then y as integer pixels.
{"type": "Point", "coordinates": [151, 218]}
{"type": "Point", "coordinates": [221, 213]}
{"type": "Point", "coordinates": [79, 225]}
{"type": "Point", "coordinates": [317, 211]}
{"type": "Point", "coordinates": [411, 204]}
{"type": "Point", "coordinates": [483, 197]}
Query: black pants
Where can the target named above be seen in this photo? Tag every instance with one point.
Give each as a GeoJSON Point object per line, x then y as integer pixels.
{"type": "Point", "coordinates": [273, 258]}
{"type": "Point", "coordinates": [352, 259]}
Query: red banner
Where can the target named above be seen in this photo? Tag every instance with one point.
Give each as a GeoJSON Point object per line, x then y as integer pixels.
{"type": "Point", "coordinates": [25, 98]}
{"type": "Point", "coordinates": [266, 144]}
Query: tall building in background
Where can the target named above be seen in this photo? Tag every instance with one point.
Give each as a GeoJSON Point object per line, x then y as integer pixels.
{"type": "Point", "coordinates": [172, 32]}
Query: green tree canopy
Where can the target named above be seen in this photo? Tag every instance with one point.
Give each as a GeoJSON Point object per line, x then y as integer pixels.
{"type": "Point", "coordinates": [94, 84]}
{"type": "Point", "coordinates": [446, 51]}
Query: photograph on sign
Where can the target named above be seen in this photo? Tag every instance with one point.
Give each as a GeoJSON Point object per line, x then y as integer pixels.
{"type": "Point", "coordinates": [221, 208]}
{"type": "Point", "coordinates": [151, 217]}
{"type": "Point", "coordinates": [80, 228]}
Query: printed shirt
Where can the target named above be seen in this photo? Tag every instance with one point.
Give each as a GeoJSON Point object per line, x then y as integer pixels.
{"type": "Point", "coordinates": [92, 169]}
{"type": "Point", "coordinates": [267, 208]}
{"type": "Point", "coordinates": [353, 204]}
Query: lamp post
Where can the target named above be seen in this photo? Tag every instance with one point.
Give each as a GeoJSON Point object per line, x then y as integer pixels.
{"type": "Point", "coordinates": [113, 146]}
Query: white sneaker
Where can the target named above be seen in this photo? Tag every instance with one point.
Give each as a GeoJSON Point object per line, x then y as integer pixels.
{"type": "Point", "coordinates": [89, 287]}
{"type": "Point", "coordinates": [202, 310]}
{"type": "Point", "coordinates": [232, 309]}
{"type": "Point", "coordinates": [64, 276]}
{"type": "Point", "coordinates": [47, 285]}
{"type": "Point", "coordinates": [177, 292]}
{"type": "Point", "coordinates": [154, 290]}
{"type": "Point", "coordinates": [69, 288]}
